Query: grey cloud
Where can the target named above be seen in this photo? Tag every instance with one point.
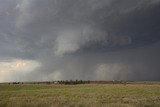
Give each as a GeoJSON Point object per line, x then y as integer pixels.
{"type": "Point", "coordinates": [53, 17]}
{"type": "Point", "coordinates": [78, 39]}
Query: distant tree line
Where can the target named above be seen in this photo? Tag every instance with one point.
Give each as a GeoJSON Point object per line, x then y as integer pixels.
{"type": "Point", "coordinates": [74, 82]}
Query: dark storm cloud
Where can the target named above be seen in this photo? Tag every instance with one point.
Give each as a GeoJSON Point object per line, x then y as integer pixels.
{"type": "Point", "coordinates": [76, 39]}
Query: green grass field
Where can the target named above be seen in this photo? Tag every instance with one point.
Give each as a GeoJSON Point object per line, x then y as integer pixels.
{"type": "Point", "coordinates": [87, 95]}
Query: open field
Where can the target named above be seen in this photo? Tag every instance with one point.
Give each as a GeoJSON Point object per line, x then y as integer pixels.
{"type": "Point", "coordinates": [85, 95]}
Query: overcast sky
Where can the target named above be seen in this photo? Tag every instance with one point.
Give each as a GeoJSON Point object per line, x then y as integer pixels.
{"type": "Point", "coordinates": [43, 40]}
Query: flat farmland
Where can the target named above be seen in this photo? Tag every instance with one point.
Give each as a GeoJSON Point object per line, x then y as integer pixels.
{"type": "Point", "coordinates": [84, 95]}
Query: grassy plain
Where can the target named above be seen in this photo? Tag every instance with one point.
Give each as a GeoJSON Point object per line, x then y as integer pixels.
{"type": "Point", "coordinates": [87, 95]}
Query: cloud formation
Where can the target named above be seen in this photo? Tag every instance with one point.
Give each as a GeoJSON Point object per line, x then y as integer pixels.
{"type": "Point", "coordinates": [91, 39]}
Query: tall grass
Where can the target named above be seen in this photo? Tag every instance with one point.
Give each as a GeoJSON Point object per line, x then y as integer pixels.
{"type": "Point", "coordinates": [88, 95]}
